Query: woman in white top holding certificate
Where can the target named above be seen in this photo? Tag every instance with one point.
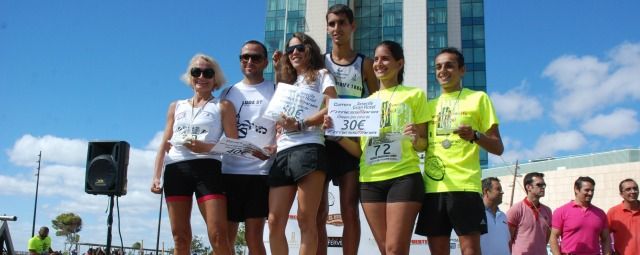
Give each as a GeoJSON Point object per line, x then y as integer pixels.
{"type": "Point", "coordinates": [300, 165]}
{"type": "Point", "coordinates": [391, 186]}
{"type": "Point", "coordinates": [193, 127]}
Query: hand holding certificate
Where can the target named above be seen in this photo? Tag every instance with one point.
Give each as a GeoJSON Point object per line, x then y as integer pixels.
{"type": "Point", "coordinates": [293, 101]}
{"type": "Point", "coordinates": [241, 148]}
{"type": "Point", "coordinates": [354, 117]}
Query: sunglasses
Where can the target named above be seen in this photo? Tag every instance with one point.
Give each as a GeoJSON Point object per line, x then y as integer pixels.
{"type": "Point", "coordinates": [206, 73]}
{"type": "Point", "coordinates": [299, 47]}
{"type": "Point", "coordinates": [244, 58]}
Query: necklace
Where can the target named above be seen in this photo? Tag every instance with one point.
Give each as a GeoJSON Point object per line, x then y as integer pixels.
{"type": "Point", "coordinates": [391, 97]}
{"type": "Point", "coordinates": [193, 117]}
{"type": "Point", "coordinates": [446, 143]}
{"type": "Point", "coordinates": [387, 107]}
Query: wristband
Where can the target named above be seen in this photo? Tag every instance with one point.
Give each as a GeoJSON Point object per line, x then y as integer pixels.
{"type": "Point", "coordinates": [476, 136]}
{"type": "Point", "coordinates": [301, 125]}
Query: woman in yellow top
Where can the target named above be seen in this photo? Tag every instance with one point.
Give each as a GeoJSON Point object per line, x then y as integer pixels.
{"type": "Point", "coordinates": [391, 185]}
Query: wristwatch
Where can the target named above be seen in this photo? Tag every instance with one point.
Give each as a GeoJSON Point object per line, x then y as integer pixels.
{"type": "Point", "coordinates": [476, 136]}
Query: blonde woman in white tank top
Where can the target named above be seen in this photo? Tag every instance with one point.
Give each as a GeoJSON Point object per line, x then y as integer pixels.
{"type": "Point", "coordinates": [193, 127]}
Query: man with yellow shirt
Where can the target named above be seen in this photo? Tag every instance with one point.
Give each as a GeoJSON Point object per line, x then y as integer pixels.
{"type": "Point", "coordinates": [462, 122]}
{"type": "Point", "coordinates": [40, 244]}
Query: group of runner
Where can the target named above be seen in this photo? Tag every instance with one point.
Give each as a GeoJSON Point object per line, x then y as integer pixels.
{"type": "Point", "coordinates": [382, 173]}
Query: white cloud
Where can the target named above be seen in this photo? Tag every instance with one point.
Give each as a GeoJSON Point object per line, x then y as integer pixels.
{"type": "Point", "coordinates": [547, 145]}
{"type": "Point", "coordinates": [621, 122]}
{"type": "Point", "coordinates": [512, 152]}
{"type": "Point", "coordinates": [576, 73]}
{"type": "Point", "coordinates": [154, 144]}
{"type": "Point", "coordinates": [517, 105]}
{"type": "Point", "coordinates": [550, 144]}
{"type": "Point", "coordinates": [141, 164]}
{"type": "Point", "coordinates": [59, 180]}
{"type": "Point", "coordinates": [64, 151]}
{"type": "Point", "coordinates": [626, 54]}
{"type": "Point", "coordinates": [586, 84]}
{"type": "Point", "coordinates": [61, 189]}
{"type": "Point", "coordinates": [14, 185]}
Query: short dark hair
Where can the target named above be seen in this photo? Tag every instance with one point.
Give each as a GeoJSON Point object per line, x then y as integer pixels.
{"type": "Point", "coordinates": [626, 180]}
{"type": "Point", "coordinates": [487, 183]}
{"type": "Point", "coordinates": [528, 178]}
{"type": "Point", "coordinates": [338, 9]}
{"type": "Point", "coordinates": [454, 51]}
{"type": "Point", "coordinates": [581, 179]}
{"type": "Point", "coordinates": [397, 52]}
{"type": "Point", "coordinates": [264, 48]}
{"type": "Point", "coordinates": [43, 230]}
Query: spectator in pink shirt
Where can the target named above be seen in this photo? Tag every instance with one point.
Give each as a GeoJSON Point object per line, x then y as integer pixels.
{"type": "Point", "coordinates": [581, 226]}
{"type": "Point", "coordinates": [529, 220]}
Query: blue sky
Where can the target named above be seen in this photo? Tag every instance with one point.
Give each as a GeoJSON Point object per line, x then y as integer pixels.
{"type": "Point", "coordinates": [565, 78]}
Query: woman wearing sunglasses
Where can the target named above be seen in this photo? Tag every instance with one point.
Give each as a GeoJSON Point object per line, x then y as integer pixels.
{"type": "Point", "coordinates": [391, 186]}
{"type": "Point", "coordinates": [300, 163]}
{"type": "Point", "coordinates": [193, 127]}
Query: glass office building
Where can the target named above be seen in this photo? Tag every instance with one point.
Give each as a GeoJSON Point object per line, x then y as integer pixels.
{"type": "Point", "coordinates": [422, 27]}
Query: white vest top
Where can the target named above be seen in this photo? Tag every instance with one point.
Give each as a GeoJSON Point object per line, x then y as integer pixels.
{"type": "Point", "coordinates": [251, 102]}
{"type": "Point", "coordinates": [201, 123]}
{"type": "Point", "coordinates": [349, 78]}
{"type": "Point", "coordinates": [312, 134]}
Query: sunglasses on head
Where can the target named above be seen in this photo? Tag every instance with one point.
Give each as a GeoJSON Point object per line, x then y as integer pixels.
{"type": "Point", "coordinates": [206, 73]}
{"type": "Point", "coordinates": [299, 47]}
{"type": "Point", "coordinates": [253, 57]}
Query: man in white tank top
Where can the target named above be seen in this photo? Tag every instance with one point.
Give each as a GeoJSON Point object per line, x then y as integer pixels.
{"type": "Point", "coordinates": [246, 179]}
{"type": "Point", "coordinates": [354, 78]}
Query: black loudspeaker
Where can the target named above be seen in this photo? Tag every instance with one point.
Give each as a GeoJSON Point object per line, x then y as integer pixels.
{"type": "Point", "coordinates": [107, 163]}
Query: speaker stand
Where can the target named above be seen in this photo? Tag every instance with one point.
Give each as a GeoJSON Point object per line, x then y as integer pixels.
{"type": "Point", "coordinates": [109, 223]}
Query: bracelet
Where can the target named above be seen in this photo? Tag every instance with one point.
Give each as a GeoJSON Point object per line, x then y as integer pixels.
{"type": "Point", "coordinates": [476, 136]}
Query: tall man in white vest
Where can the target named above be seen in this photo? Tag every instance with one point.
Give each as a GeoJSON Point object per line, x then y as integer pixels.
{"type": "Point", "coordinates": [354, 77]}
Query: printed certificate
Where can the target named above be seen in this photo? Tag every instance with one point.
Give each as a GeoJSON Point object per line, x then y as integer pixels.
{"type": "Point", "coordinates": [354, 117]}
{"type": "Point", "coordinates": [241, 148]}
{"type": "Point", "coordinates": [293, 101]}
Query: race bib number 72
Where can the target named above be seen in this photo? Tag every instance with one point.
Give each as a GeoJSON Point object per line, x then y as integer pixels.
{"type": "Point", "coordinates": [381, 150]}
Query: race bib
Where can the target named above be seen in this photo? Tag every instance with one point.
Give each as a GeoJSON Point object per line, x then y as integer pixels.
{"type": "Point", "coordinates": [386, 148]}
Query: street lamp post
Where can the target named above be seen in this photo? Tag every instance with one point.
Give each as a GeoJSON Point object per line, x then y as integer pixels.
{"type": "Point", "coordinates": [35, 204]}
{"type": "Point", "coordinates": [515, 175]}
